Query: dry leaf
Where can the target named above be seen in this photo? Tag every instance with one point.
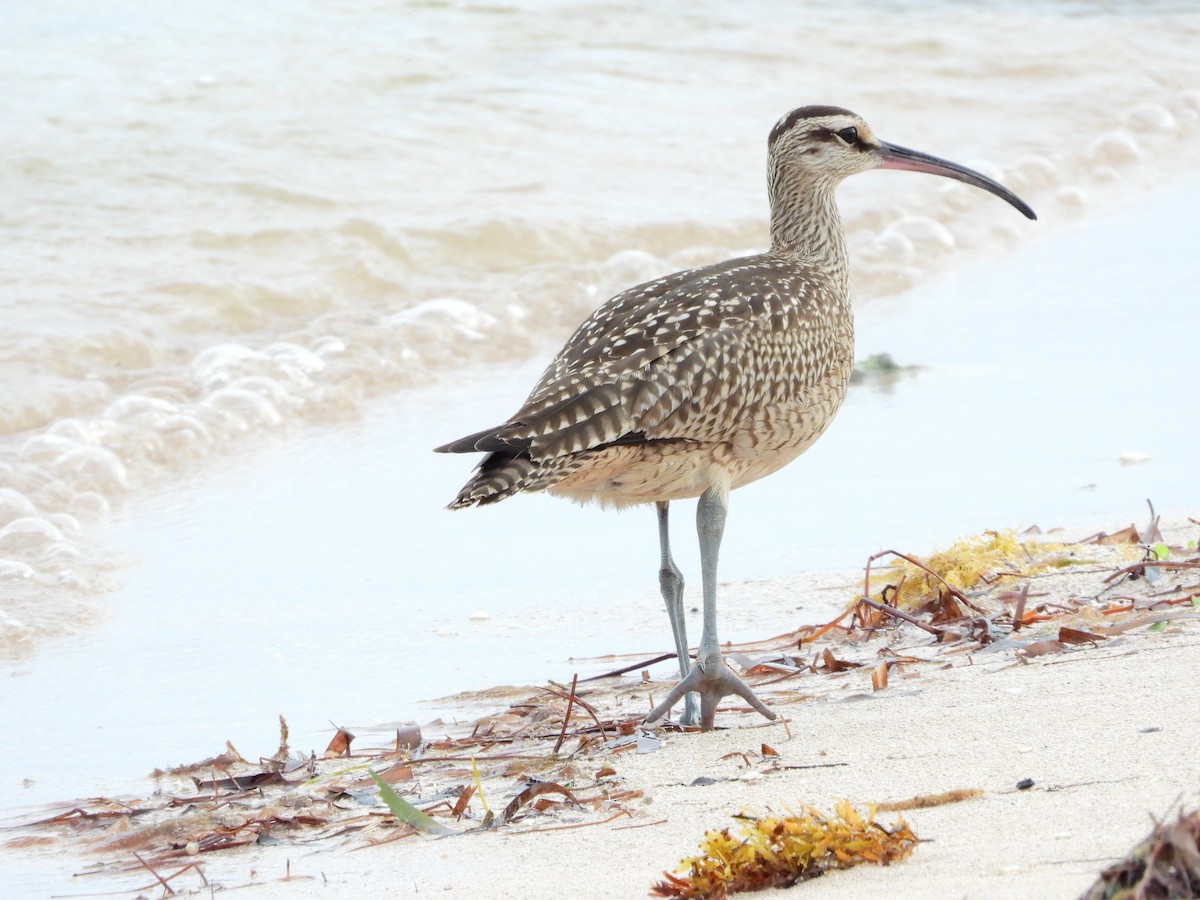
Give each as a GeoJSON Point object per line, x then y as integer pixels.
{"type": "Point", "coordinates": [1042, 648]}
{"type": "Point", "coordinates": [533, 790]}
{"type": "Point", "coordinates": [340, 745]}
{"type": "Point", "coordinates": [879, 676]}
{"type": "Point", "coordinates": [1075, 636]}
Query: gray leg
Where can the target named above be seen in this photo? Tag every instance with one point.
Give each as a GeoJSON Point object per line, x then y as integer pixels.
{"type": "Point", "coordinates": [710, 677]}
{"type": "Point", "coordinates": [670, 579]}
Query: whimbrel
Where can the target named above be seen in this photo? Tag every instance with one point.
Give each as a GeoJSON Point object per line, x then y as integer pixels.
{"type": "Point", "coordinates": [705, 380]}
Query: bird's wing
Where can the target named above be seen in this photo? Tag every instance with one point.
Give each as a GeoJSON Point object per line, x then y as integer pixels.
{"type": "Point", "coordinates": [684, 357]}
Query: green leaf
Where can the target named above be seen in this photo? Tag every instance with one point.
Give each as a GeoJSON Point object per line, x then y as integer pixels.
{"type": "Point", "coordinates": [1196, 600]}
{"type": "Point", "coordinates": [1158, 626]}
{"type": "Point", "coordinates": [1162, 551]}
{"type": "Point", "coordinates": [406, 812]}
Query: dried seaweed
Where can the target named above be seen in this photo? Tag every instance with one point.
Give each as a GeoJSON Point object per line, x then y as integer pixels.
{"type": "Point", "coordinates": [925, 801]}
{"type": "Point", "coordinates": [779, 851]}
{"type": "Point", "coordinates": [1165, 865]}
{"type": "Point", "coordinates": [964, 565]}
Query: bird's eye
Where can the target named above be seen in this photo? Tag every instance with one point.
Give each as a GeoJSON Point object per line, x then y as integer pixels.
{"type": "Point", "coordinates": [849, 135]}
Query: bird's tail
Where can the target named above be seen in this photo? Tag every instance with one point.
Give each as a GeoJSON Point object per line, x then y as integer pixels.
{"type": "Point", "coordinates": [500, 475]}
{"type": "Point", "coordinates": [504, 473]}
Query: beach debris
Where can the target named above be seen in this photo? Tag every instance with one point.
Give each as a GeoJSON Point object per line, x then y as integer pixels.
{"type": "Point", "coordinates": [405, 811]}
{"type": "Point", "coordinates": [1134, 458]}
{"type": "Point", "coordinates": [535, 789]}
{"type": "Point", "coordinates": [781, 850]}
{"type": "Point", "coordinates": [408, 736]}
{"type": "Point", "coordinates": [1165, 864]}
{"type": "Point", "coordinates": [340, 745]}
{"type": "Point", "coordinates": [925, 801]}
{"type": "Point", "coordinates": [881, 369]}
{"type": "Point", "coordinates": [240, 783]}
{"type": "Point", "coordinates": [939, 582]}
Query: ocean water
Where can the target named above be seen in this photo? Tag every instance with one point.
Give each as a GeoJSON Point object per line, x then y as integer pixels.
{"type": "Point", "coordinates": [260, 257]}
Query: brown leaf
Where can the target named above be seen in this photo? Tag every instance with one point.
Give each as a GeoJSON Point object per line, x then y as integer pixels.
{"type": "Point", "coordinates": [533, 790]}
{"type": "Point", "coordinates": [834, 665]}
{"type": "Point", "coordinates": [879, 676]}
{"type": "Point", "coordinates": [397, 773]}
{"type": "Point", "coordinates": [946, 609]}
{"type": "Point", "coordinates": [340, 745]}
{"type": "Point", "coordinates": [1075, 636]}
{"type": "Point", "coordinates": [408, 736]}
{"type": "Point", "coordinates": [1043, 648]}
{"type": "Point", "coordinates": [768, 750]}
{"type": "Point", "coordinates": [605, 773]}
{"type": "Point", "coordinates": [463, 799]}
{"type": "Point", "coordinates": [1124, 536]}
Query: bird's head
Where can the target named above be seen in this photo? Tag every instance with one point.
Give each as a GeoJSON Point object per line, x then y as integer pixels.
{"type": "Point", "coordinates": [828, 144]}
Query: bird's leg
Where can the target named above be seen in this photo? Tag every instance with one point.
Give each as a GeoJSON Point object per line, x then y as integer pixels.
{"type": "Point", "coordinates": [670, 579]}
{"type": "Point", "coordinates": [710, 677]}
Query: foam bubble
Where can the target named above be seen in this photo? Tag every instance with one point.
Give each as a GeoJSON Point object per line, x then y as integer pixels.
{"type": "Point", "coordinates": [295, 356]}
{"type": "Point", "coordinates": [1033, 171]}
{"type": "Point", "coordinates": [925, 233]}
{"type": "Point", "coordinates": [447, 315]}
{"type": "Point", "coordinates": [60, 550]}
{"type": "Point", "coordinates": [47, 447]}
{"type": "Point", "coordinates": [244, 406]}
{"type": "Point", "coordinates": [14, 505]}
{"type": "Point", "coordinates": [135, 405]}
{"type": "Point", "coordinates": [28, 532]}
{"type": "Point", "coordinates": [65, 523]}
{"type": "Point", "coordinates": [1150, 117]}
{"type": "Point", "coordinates": [1115, 148]}
{"type": "Point", "coordinates": [93, 468]}
{"type": "Point", "coordinates": [1072, 198]}
{"type": "Point", "coordinates": [13, 569]}
{"type": "Point", "coordinates": [89, 506]}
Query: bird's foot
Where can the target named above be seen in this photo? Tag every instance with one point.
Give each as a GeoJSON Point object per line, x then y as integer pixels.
{"type": "Point", "coordinates": [712, 680]}
{"type": "Point", "coordinates": [691, 712]}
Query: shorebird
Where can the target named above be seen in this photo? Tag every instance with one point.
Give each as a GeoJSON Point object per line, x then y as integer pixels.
{"type": "Point", "coordinates": [705, 380]}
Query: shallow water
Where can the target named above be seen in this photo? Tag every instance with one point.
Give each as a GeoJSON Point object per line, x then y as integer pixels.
{"type": "Point", "coordinates": [228, 222]}
{"type": "Point", "coordinates": [258, 263]}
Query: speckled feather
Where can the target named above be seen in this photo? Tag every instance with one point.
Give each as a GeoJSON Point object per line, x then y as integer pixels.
{"type": "Point", "coordinates": [695, 358]}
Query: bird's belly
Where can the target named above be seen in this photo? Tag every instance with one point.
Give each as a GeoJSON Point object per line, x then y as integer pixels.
{"type": "Point", "coordinates": [762, 442]}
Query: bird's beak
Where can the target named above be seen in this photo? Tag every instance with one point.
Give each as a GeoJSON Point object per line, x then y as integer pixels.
{"type": "Point", "coordinates": [893, 157]}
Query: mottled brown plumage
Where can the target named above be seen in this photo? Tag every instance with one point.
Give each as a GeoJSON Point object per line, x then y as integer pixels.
{"type": "Point", "coordinates": [708, 379]}
{"type": "Point", "coordinates": [733, 366]}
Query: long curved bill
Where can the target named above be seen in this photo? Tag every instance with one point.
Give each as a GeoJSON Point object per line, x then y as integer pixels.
{"type": "Point", "coordinates": [894, 157]}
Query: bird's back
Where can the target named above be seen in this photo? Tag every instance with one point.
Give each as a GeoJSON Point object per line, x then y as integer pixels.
{"type": "Point", "coordinates": [722, 372]}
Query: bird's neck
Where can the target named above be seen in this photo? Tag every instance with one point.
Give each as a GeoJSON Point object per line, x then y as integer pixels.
{"type": "Point", "coordinates": [805, 222]}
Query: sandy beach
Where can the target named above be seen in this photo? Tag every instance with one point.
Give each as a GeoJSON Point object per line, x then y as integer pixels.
{"type": "Point", "coordinates": [1075, 747]}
